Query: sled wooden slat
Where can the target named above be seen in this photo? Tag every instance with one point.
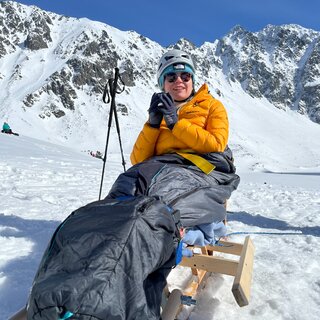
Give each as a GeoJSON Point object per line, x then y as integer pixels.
{"type": "Point", "coordinates": [227, 247]}
{"type": "Point", "coordinates": [242, 281]}
{"type": "Point", "coordinates": [211, 264]}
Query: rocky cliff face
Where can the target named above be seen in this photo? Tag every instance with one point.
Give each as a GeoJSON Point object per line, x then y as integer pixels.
{"type": "Point", "coordinates": [53, 65]}
{"type": "Point", "coordinates": [83, 55]}
{"type": "Point", "coordinates": [281, 64]}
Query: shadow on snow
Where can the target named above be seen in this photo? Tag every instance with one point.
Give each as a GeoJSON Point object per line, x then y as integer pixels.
{"type": "Point", "coordinates": [296, 173]}
{"type": "Point", "coordinates": [20, 271]}
{"type": "Point", "coordinates": [269, 223]}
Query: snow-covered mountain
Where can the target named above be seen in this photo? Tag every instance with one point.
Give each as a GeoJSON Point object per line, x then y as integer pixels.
{"type": "Point", "coordinates": [53, 70]}
{"type": "Point", "coordinates": [281, 64]}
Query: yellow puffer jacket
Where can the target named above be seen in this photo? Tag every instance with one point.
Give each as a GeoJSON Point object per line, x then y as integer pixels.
{"type": "Point", "coordinates": [202, 127]}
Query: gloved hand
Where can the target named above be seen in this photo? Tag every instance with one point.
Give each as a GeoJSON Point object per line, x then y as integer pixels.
{"type": "Point", "coordinates": [168, 109]}
{"type": "Point", "coordinates": [155, 115]}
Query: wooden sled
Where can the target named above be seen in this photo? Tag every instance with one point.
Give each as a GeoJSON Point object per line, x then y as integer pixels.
{"type": "Point", "coordinates": [205, 262]}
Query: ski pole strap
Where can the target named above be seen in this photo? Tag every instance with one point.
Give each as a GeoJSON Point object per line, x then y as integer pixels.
{"type": "Point", "coordinates": [203, 164]}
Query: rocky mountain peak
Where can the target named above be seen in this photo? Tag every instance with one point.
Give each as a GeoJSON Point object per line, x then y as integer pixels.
{"type": "Point", "coordinates": [275, 63]}
{"type": "Point", "coordinates": [51, 66]}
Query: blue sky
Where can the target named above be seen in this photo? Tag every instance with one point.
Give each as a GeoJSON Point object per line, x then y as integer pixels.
{"type": "Point", "coordinates": [167, 21]}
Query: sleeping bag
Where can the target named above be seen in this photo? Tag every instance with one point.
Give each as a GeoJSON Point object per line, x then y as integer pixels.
{"type": "Point", "coordinates": [107, 260]}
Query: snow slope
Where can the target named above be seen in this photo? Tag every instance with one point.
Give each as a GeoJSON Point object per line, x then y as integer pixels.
{"type": "Point", "coordinates": [42, 183]}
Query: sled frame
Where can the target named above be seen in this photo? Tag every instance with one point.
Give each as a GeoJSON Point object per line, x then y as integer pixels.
{"type": "Point", "coordinates": [208, 261]}
{"type": "Point", "coordinates": [240, 269]}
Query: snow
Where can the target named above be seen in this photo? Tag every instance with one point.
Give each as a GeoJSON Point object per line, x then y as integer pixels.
{"type": "Point", "coordinates": [278, 202]}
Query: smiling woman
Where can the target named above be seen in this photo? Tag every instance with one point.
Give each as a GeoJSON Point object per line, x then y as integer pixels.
{"type": "Point", "coordinates": [181, 119]}
{"type": "Point", "coordinates": [186, 129]}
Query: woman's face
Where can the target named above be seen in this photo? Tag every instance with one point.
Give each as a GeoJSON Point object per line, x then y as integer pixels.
{"type": "Point", "coordinates": [179, 85]}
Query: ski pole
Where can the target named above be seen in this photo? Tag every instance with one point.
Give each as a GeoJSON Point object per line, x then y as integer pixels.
{"type": "Point", "coordinates": [112, 83]}
{"type": "Point", "coordinates": [117, 124]}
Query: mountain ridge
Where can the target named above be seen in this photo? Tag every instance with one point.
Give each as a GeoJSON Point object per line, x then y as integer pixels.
{"type": "Point", "coordinates": [54, 69]}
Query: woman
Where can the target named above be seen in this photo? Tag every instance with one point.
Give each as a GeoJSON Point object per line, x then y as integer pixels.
{"type": "Point", "coordinates": [181, 154]}
{"type": "Point", "coordinates": [180, 119]}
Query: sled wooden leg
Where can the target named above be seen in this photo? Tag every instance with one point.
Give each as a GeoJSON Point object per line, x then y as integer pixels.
{"type": "Point", "coordinates": [199, 277]}
{"type": "Point", "coordinates": [20, 315]}
{"type": "Point", "coordinates": [242, 281]}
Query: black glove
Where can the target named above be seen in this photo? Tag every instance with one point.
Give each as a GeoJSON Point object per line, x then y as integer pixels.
{"type": "Point", "coordinates": [168, 109]}
{"type": "Point", "coordinates": [155, 115]}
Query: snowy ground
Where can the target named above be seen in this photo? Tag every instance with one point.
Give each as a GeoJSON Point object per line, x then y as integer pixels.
{"type": "Point", "coordinates": [42, 183]}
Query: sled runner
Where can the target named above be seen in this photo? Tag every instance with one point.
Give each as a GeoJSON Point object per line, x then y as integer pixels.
{"type": "Point", "coordinates": [208, 261]}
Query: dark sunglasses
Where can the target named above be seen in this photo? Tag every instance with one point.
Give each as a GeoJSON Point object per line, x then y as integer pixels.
{"type": "Point", "coordinates": [173, 76]}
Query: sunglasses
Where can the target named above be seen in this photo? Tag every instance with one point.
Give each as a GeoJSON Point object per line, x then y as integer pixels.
{"type": "Point", "coordinates": [173, 76]}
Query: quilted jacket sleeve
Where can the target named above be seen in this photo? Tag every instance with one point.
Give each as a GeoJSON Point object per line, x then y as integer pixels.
{"type": "Point", "coordinates": [145, 144]}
